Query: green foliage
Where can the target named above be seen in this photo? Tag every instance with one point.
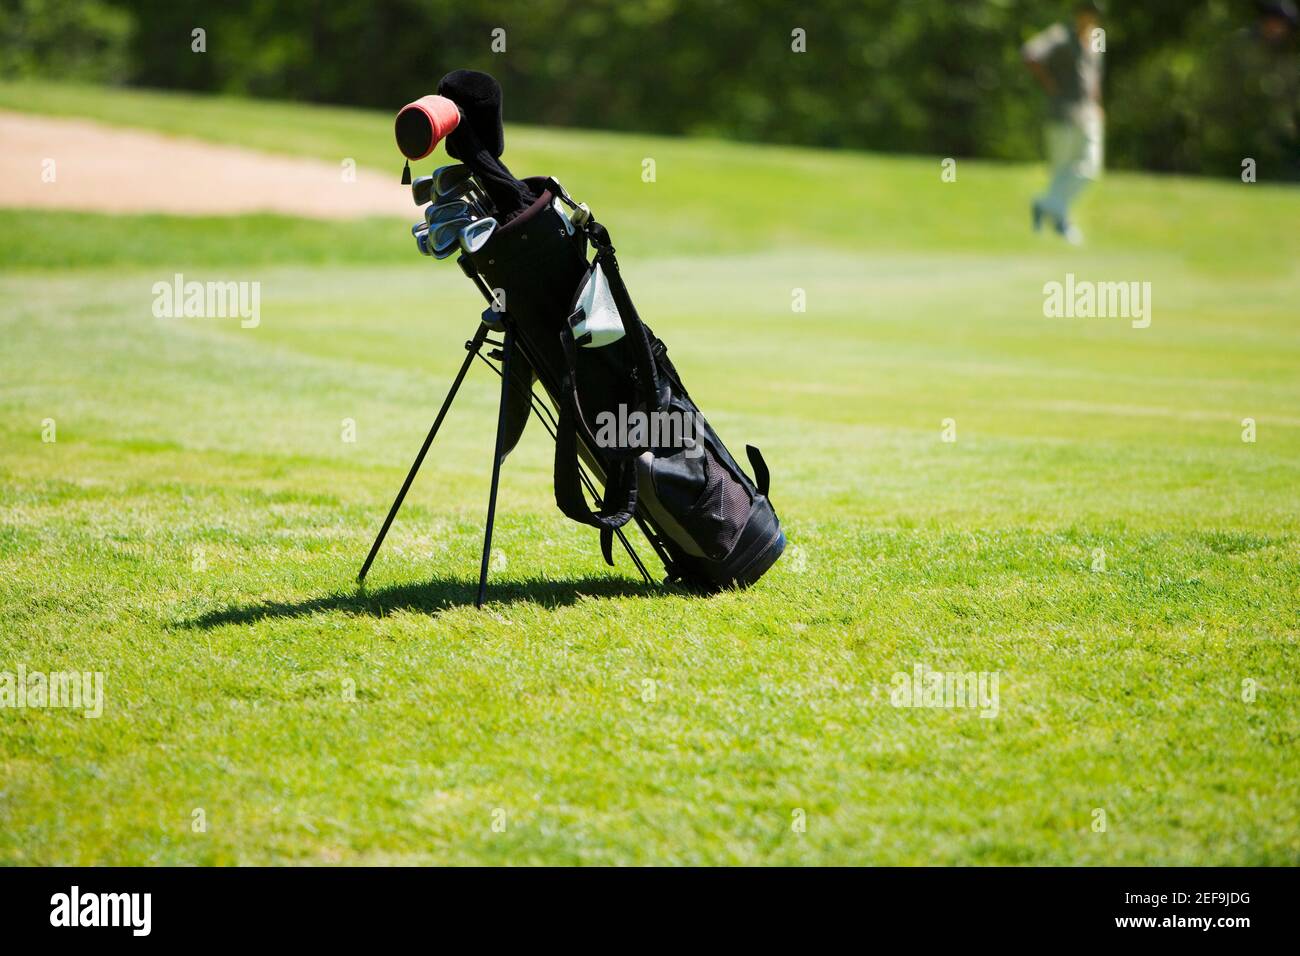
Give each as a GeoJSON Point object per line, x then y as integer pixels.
{"type": "Point", "coordinates": [1189, 88]}
{"type": "Point", "coordinates": [83, 39]}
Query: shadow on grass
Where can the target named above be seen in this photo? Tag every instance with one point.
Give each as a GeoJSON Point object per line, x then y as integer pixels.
{"type": "Point", "coordinates": [438, 594]}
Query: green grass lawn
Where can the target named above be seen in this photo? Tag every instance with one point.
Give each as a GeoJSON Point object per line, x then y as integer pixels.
{"type": "Point", "coordinates": [1098, 535]}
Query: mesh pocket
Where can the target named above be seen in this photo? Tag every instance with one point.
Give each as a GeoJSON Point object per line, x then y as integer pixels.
{"type": "Point", "coordinates": [706, 501]}
{"type": "Point", "coordinates": [728, 498]}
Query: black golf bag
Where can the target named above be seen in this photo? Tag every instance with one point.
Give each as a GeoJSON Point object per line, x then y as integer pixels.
{"type": "Point", "coordinates": [579, 336]}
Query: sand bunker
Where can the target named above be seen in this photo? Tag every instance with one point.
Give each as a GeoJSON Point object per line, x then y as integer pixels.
{"type": "Point", "coordinates": [111, 169]}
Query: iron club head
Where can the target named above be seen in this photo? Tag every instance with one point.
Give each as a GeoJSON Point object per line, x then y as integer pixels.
{"type": "Point", "coordinates": [443, 237]}
{"type": "Point", "coordinates": [422, 189]}
{"type": "Point", "coordinates": [457, 182]}
{"type": "Point", "coordinates": [474, 236]}
{"type": "Point", "coordinates": [420, 232]}
{"type": "Point", "coordinates": [456, 209]}
{"type": "Point", "coordinates": [451, 180]}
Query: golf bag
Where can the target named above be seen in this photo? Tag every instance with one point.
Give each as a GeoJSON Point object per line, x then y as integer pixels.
{"type": "Point", "coordinates": [581, 339]}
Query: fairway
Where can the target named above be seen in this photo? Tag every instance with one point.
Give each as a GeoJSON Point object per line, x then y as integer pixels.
{"type": "Point", "coordinates": [1076, 505]}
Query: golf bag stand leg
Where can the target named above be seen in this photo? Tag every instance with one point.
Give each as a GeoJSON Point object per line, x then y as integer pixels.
{"type": "Point", "coordinates": [471, 349]}
{"type": "Point", "coordinates": [507, 347]}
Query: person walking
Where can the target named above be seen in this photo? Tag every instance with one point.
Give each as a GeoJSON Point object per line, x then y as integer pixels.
{"type": "Point", "coordinates": [1065, 59]}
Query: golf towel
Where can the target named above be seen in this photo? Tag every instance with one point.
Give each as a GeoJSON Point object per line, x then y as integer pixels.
{"type": "Point", "coordinates": [595, 320]}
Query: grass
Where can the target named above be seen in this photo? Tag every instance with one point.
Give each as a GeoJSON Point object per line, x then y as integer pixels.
{"type": "Point", "coordinates": [1098, 535]}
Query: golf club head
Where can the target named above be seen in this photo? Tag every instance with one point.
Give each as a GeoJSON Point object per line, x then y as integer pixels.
{"type": "Point", "coordinates": [473, 237]}
{"type": "Point", "coordinates": [420, 232]}
{"type": "Point", "coordinates": [451, 180]}
{"type": "Point", "coordinates": [422, 189]}
{"type": "Point", "coordinates": [457, 182]}
{"type": "Point", "coordinates": [443, 237]}
{"type": "Point", "coordinates": [456, 209]}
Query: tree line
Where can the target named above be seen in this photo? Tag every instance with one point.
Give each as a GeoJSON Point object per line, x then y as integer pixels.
{"type": "Point", "coordinates": [1191, 85]}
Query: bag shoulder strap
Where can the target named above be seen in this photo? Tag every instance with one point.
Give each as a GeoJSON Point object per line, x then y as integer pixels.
{"type": "Point", "coordinates": [618, 501]}
{"type": "Point", "coordinates": [654, 393]}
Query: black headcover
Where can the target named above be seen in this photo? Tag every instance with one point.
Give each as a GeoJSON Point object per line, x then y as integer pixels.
{"type": "Point", "coordinates": [479, 97]}
{"type": "Point", "coordinates": [479, 140]}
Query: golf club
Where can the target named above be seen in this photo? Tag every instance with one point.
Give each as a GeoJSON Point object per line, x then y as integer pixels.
{"type": "Point", "coordinates": [458, 181]}
{"type": "Point", "coordinates": [474, 236]}
{"type": "Point", "coordinates": [421, 234]}
{"type": "Point", "coordinates": [422, 189]}
{"type": "Point", "coordinates": [443, 237]}
{"type": "Point", "coordinates": [451, 180]}
{"type": "Point", "coordinates": [456, 209]}
{"type": "Point", "coordinates": [445, 183]}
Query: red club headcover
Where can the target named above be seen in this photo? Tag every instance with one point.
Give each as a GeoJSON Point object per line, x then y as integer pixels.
{"type": "Point", "coordinates": [422, 125]}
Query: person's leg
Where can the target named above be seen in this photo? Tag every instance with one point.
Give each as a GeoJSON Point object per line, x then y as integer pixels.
{"type": "Point", "coordinates": [1094, 139]}
{"type": "Point", "coordinates": [1063, 148]}
{"type": "Point", "coordinates": [1044, 203]}
{"type": "Point", "coordinates": [1087, 164]}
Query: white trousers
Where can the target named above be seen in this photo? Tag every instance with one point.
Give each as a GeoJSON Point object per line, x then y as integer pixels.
{"type": "Point", "coordinates": [1075, 151]}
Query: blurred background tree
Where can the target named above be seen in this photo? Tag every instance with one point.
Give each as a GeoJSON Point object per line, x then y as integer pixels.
{"type": "Point", "coordinates": [79, 39]}
{"type": "Point", "coordinates": [1189, 87]}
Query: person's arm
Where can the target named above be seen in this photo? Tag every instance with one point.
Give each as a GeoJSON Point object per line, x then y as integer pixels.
{"type": "Point", "coordinates": [1041, 74]}
{"type": "Point", "coordinates": [1036, 52]}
